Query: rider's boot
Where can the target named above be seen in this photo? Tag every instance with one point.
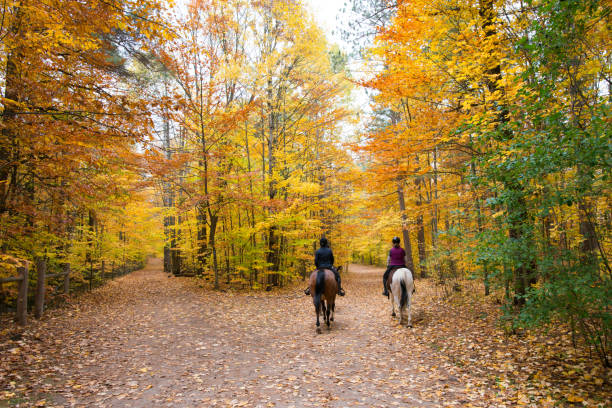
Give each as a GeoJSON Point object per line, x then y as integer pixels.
{"type": "Point", "coordinates": [338, 281]}
{"type": "Point", "coordinates": [307, 291]}
{"type": "Point", "coordinates": [384, 280]}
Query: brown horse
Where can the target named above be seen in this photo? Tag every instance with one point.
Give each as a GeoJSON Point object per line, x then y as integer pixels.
{"type": "Point", "coordinates": [323, 289]}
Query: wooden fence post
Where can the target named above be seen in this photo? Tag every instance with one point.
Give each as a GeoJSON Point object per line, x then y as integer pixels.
{"type": "Point", "coordinates": [39, 299]}
{"type": "Point", "coordinates": [22, 299]}
{"type": "Point", "coordinates": [66, 278]}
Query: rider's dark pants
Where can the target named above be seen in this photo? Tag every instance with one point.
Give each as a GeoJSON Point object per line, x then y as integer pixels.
{"type": "Point", "coordinates": [386, 274]}
{"type": "Point", "coordinates": [337, 275]}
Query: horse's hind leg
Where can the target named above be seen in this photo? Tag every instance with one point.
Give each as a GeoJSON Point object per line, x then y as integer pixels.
{"type": "Point", "coordinates": [324, 311]}
{"type": "Point", "coordinates": [392, 305]}
{"type": "Point", "coordinates": [400, 309]}
{"type": "Point", "coordinates": [409, 306]}
{"type": "Point", "coordinates": [317, 305]}
{"type": "Point", "coordinates": [333, 311]}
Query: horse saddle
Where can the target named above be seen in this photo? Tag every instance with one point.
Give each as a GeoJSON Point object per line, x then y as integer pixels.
{"type": "Point", "coordinates": [391, 272]}
{"type": "Point", "coordinates": [390, 277]}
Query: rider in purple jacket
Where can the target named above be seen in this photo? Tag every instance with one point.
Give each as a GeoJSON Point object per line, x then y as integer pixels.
{"type": "Point", "coordinates": [396, 259]}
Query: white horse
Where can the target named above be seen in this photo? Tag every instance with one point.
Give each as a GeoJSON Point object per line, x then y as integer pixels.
{"type": "Point", "coordinates": [402, 288]}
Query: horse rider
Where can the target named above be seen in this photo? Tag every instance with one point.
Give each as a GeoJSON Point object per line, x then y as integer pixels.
{"type": "Point", "coordinates": [395, 260]}
{"type": "Point", "coordinates": [324, 259]}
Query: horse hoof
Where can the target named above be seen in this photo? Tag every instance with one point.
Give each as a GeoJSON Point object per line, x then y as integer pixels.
{"type": "Point", "coordinates": [410, 326]}
{"type": "Point", "coordinates": [393, 314]}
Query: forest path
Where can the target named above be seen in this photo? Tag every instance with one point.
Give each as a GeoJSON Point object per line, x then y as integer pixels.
{"type": "Point", "coordinates": [147, 340]}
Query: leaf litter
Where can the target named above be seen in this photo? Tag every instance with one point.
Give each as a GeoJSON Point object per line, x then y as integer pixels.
{"type": "Point", "coordinates": [147, 339]}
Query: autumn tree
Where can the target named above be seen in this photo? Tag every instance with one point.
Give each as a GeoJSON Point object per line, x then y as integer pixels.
{"type": "Point", "coordinates": [503, 120]}
{"type": "Point", "coordinates": [251, 95]}
{"type": "Point", "coordinates": [72, 114]}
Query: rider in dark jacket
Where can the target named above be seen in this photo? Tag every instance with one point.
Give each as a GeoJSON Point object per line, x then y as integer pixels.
{"type": "Point", "coordinates": [324, 259]}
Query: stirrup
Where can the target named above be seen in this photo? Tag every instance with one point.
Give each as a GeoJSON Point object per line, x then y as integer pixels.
{"type": "Point", "coordinates": [307, 291]}
{"type": "Point", "coordinates": [385, 293]}
{"type": "Point", "coordinates": [341, 292]}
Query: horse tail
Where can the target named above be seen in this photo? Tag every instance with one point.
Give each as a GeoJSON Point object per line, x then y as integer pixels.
{"type": "Point", "coordinates": [404, 298]}
{"type": "Point", "coordinates": [320, 283]}
{"type": "Point", "coordinates": [317, 302]}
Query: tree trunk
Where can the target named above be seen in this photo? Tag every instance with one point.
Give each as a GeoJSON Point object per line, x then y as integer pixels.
{"type": "Point", "coordinates": [517, 208]}
{"type": "Point", "coordinates": [452, 266]}
{"type": "Point", "coordinates": [226, 252]}
{"type": "Point", "coordinates": [91, 221]}
{"type": "Point", "coordinates": [272, 255]}
{"type": "Point", "coordinates": [9, 151]}
{"type": "Point", "coordinates": [589, 244]}
{"type": "Point", "coordinates": [168, 200]}
{"type": "Point", "coordinates": [201, 239]}
{"type": "Point", "coordinates": [175, 253]}
{"type": "Point", "coordinates": [479, 221]}
{"type": "Point", "coordinates": [421, 245]}
{"type": "Point", "coordinates": [420, 227]}
{"type": "Point", "coordinates": [213, 229]}
{"type": "Point", "coordinates": [405, 230]}
{"type": "Point", "coordinates": [248, 153]}
{"type": "Point", "coordinates": [434, 208]}
{"type": "Point", "coordinates": [525, 273]}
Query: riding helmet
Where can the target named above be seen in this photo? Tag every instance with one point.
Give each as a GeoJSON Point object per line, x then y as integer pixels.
{"type": "Point", "coordinates": [396, 240]}
{"type": "Point", "coordinates": [323, 242]}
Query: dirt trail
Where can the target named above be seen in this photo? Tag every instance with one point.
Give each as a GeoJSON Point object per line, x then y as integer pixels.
{"type": "Point", "coordinates": [148, 340]}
